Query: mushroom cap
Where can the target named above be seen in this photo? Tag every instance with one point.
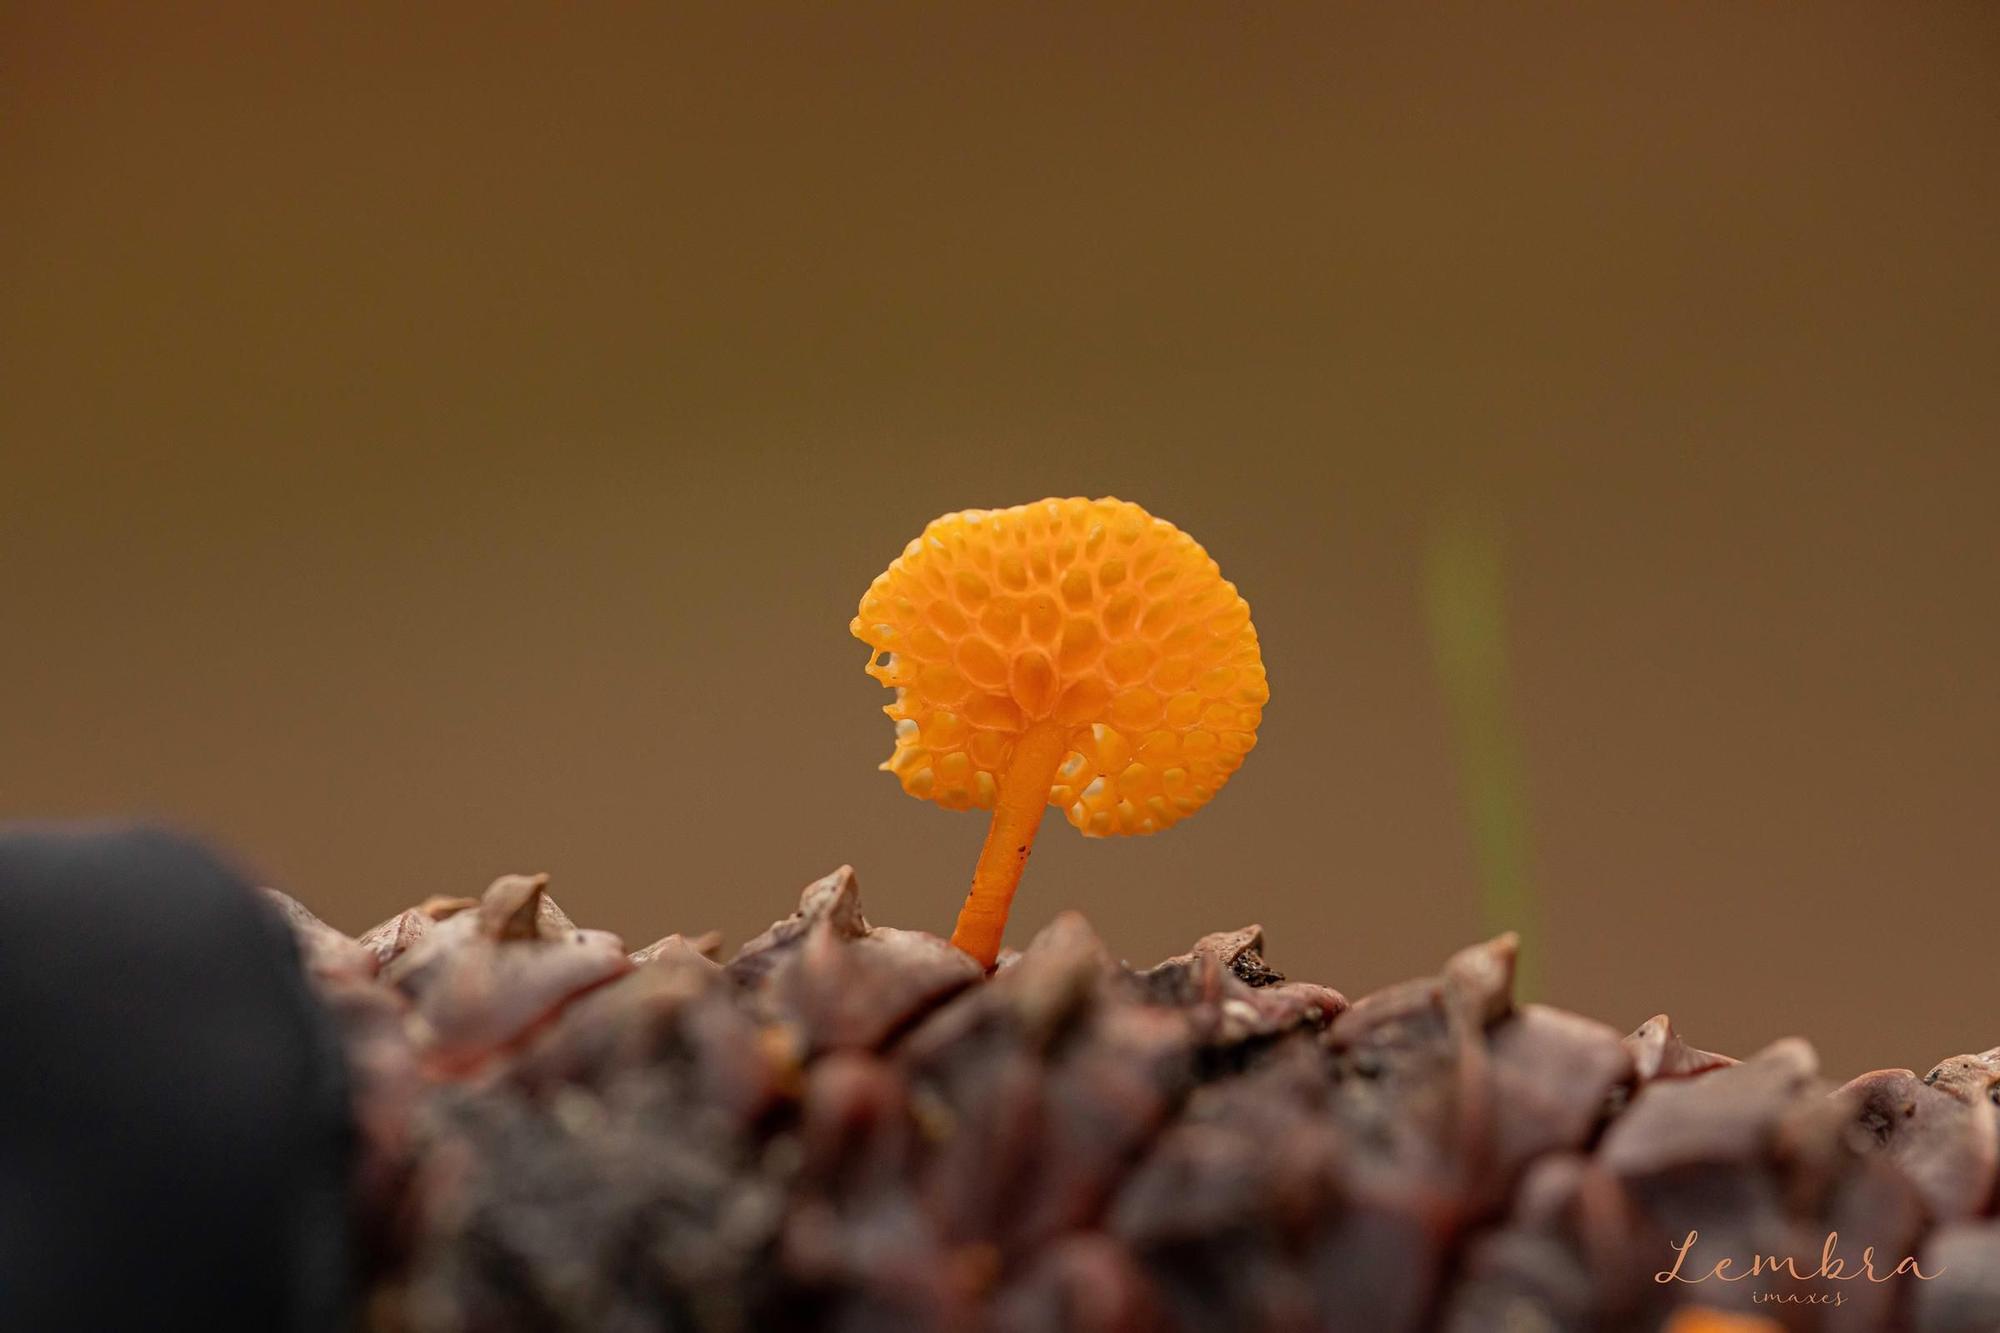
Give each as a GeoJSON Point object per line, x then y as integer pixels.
{"type": "Point", "coordinates": [1093, 613]}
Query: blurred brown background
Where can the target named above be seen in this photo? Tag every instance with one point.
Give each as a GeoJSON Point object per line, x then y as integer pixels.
{"type": "Point", "coordinates": [454, 442]}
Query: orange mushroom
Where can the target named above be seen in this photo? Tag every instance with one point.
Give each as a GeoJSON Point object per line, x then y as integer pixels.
{"type": "Point", "coordinates": [1076, 653]}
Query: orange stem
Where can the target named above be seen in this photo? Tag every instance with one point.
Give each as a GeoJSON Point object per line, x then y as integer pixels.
{"type": "Point", "coordinates": [1018, 804]}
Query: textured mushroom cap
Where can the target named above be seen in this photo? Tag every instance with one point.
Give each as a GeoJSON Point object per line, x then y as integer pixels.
{"type": "Point", "coordinates": [1094, 613]}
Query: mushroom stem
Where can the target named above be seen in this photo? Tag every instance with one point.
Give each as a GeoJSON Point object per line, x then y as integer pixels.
{"type": "Point", "coordinates": [1022, 796]}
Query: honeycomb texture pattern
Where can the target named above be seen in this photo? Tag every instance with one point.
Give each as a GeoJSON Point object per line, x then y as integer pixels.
{"type": "Point", "coordinates": [1094, 613]}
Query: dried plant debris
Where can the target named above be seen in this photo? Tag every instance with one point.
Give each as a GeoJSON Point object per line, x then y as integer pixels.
{"type": "Point", "coordinates": [846, 1126]}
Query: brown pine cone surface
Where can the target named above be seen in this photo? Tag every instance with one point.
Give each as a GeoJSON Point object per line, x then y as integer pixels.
{"type": "Point", "coordinates": [848, 1127]}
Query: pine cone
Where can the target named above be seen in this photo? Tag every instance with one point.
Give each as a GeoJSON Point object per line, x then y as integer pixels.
{"type": "Point", "coordinates": [850, 1127]}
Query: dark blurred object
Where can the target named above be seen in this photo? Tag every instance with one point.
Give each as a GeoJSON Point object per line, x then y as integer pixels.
{"type": "Point", "coordinates": [173, 1127]}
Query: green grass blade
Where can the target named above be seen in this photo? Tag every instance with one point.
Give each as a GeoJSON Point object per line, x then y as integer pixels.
{"type": "Point", "coordinates": [1464, 595]}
